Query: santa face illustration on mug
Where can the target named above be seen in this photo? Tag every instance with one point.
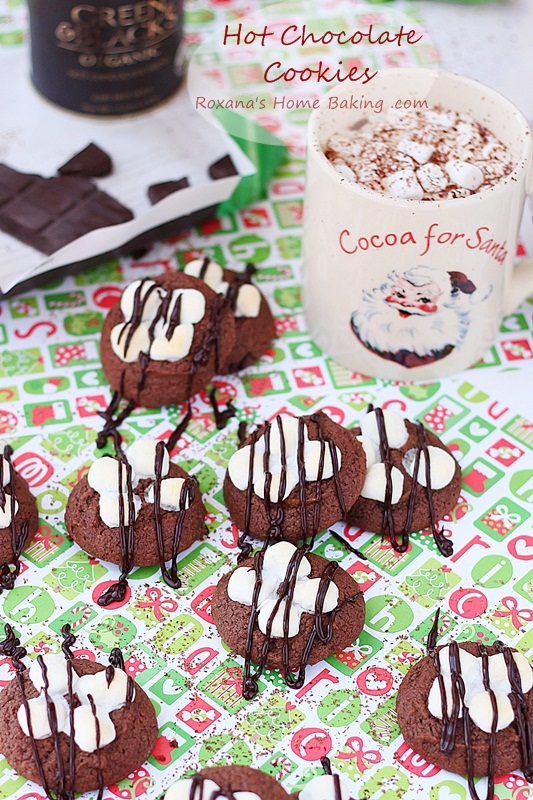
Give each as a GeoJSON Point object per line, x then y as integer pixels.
{"type": "Point", "coordinates": [417, 317]}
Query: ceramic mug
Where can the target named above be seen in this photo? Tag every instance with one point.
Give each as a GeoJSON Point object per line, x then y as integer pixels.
{"type": "Point", "coordinates": [359, 245]}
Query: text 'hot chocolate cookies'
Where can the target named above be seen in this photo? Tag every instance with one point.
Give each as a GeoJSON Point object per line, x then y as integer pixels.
{"type": "Point", "coordinates": [293, 477]}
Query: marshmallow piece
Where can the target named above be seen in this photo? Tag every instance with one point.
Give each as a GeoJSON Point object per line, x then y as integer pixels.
{"type": "Point", "coordinates": [481, 712]}
{"type": "Point", "coordinates": [141, 456]}
{"type": "Point", "coordinates": [404, 185]}
{"type": "Point", "coordinates": [5, 470]}
{"type": "Point", "coordinates": [139, 289]}
{"type": "Point", "coordinates": [435, 701]}
{"type": "Point", "coordinates": [106, 698]}
{"type": "Point", "coordinates": [442, 467]}
{"type": "Point", "coordinates": [248, 301]}
{"type": "Point", "coordinates": [183, 790]}
{"type": "Point", "coordinates": [139, 343]}
{"type": "Point", "coordinates": [241, 586]}
{"type": "Point", "coordinates": [322, 787]}
{"type": "Point", "coordinates": [395, 428]}
{"type": "Point", "coordinates": [171, 489]}
{"type": "Point", "coordinates": [498, 676]}
{"type": "Point", "coordinates": [110, 509]}
{"type": "Point", "coordinates": [103, 476]}
{"type": "Point", "coordinates": [375, 485]}
{"type": "Point", "coordinates": [432, 178]}
{"type": "Point", "coordinates": [213, 276]}
{"type": "Point", "coordinates": [85, 729]}
{"type": "Point", "coordinates": [239, 463]}
{"type": "Point", "coordinates": [470, 668]}
{"type": "Point", "coordinates": [267, 610]}
{"type": "Point", "coordinates": [175, 348]}
{"type": "Point", "coordinates": [56, 670]}
{"type": "Point", "coordinates": [370, 451]}
{"type": "Point", "coordinates": [464, 133]}
{"type": "Point", "coordinates": [6, 514]}
{"type": "Point", "coordinates": [465, 175]}
{"type": "Point", "coordinates": [192, 307]}
{"type": "Point", "coordinates": [344, 170]}
{"type": "Point", "coordinates": [418, 151]}
{"type": "Point", "coordinates": [277, 558]}
{"type": "Point", "coordinates": [444, 119]}
{"type": "Point", "coordinates": [39, 717]}
{"type": "Point", "coordinates": [306, 592]}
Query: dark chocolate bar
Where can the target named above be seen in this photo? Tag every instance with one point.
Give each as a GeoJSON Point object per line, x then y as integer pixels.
{"type": "Point", "coordinates": [158, 191]}
{"type": "Point", "coordinates": [92, 161]}
{"type": "Point", "coordinates": [223, 168]}
{"type": "Point", "coordinates": [48, 213]}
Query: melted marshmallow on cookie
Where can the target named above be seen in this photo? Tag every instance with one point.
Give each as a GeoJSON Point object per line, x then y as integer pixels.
{"type": "Point", "coordinates": [322, 787]}
{"type": "Point", "coordinates": [282, 459]}
{"type": "Point", "coordinates": [106, 697]}
{"type": "Point", "coordinates": [271, 609]}
{"type": "Point", "coordinates": [477, 699]}
{"type": "Point", "coordinates": [203, 789]}
{"type": "Point", "coordinates": [248, 300]}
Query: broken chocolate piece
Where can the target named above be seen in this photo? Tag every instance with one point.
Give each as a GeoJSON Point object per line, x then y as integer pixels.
{"type": "Point", "coordinates": [92, 162]}
{"type": "Point", "coordinates": [158, 191]}
{"type": "Point", "coordinates": [48, 213]}
{"type": "Point", "coordinates": [223, 168]}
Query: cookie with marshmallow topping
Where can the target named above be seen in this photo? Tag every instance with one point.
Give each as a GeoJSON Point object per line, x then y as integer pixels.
{"type": "Point", "coordinates": [287, 610]}
{"type": "Point", "coordinates": [420, 707]}
{"type": "Point", "coordinates": [165, 339]}
{"type": "Point", "coordinates": [18, 512]}
{"type": "Point", "coordinates": [294, 477]}
{"type": "Point", "coordinates": [227, 783]}
{"type": "Point", "coordinates": [402, 440]}
{"type": "Point", "coordinates": [93, 513]}
{"type": "Point", "coordinates": [254, 323]}
{"type": "Point", "coordinates": [127, 728]}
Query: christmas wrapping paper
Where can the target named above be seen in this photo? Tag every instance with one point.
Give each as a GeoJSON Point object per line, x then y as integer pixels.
{"type": "Point", "coordinates": [51, 389]}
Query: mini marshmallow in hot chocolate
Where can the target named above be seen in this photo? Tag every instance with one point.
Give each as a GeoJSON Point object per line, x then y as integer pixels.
{"type": "Point", "coordinates": [442, 464]}
{"type": "Point", "coordinates": [157, 322]}
{"type": "Point", "coordinates": [248, 301]}
{"type": "Point", "coordinates": [109, 479]}
{"type": "Point", "coordinates": [271, 609]}
{"type": "Point", "coordinates": [465, 175]}
{"type": "Point", "coordinates": [404, 184]}
{"type": "Point", "coordinates": [477, 699]}
{"type": "Point", "coordinates": [283, 440]}
{"type": "Point", "coordinates": [204, 789]}
{"type": "Point", "coordinates": [106, 696]}
{"type": "Point", "coordinates": [322, 787]}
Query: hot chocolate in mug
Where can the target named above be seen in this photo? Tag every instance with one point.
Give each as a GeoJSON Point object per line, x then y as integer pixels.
{"type": "Point", "coordinates": [412, 289]}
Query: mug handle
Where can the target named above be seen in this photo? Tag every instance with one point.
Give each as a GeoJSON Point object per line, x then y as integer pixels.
{"type": "Point", "coordinates": [521, 283]}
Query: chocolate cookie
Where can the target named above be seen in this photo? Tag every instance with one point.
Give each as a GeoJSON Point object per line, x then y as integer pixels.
{"type": "Point", "coordinates": [306, 609]}
{"type": "Point", "coordinates": [391, 501]}
{"type": "Point", "coordinates": [114, 725]}
{"type": "Point", "coordinates": [19, 519]}
{"type": "Point", "coordinates": [227, 783]}
{"type": "Point", "coordinates": [165, 339]}
{"type": "Point", "coordinates": [471, 739]}
{"type": "Point", "coordinates": [163, 502]}
{"type": "Point", "coordinates": [293, 477]}
{"type": "Point", "coordinates": [254, 323]}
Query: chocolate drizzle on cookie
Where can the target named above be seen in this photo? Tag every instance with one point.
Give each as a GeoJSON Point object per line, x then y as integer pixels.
{"type": "Point", "coordinates": [170, 576]}
{"type": "Point", "coordinates": [326, 766]}
{"type": "Point", "coordinates": [9, 572]}
{"type": "Point", "coordinates": [459, 709]}
{"type": "Point", "coordinates": [322, 628]}
{"type": "Point", "coordinates": [399, 540]}
{"type": "Point", "coordinates": [117, 591]}
{"type": "Point", "coordinates": [63, 788]}
{"type": "Point", "coordinates": [197, 791]}
{"type": "Point", "coordinates": [274, 510]}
